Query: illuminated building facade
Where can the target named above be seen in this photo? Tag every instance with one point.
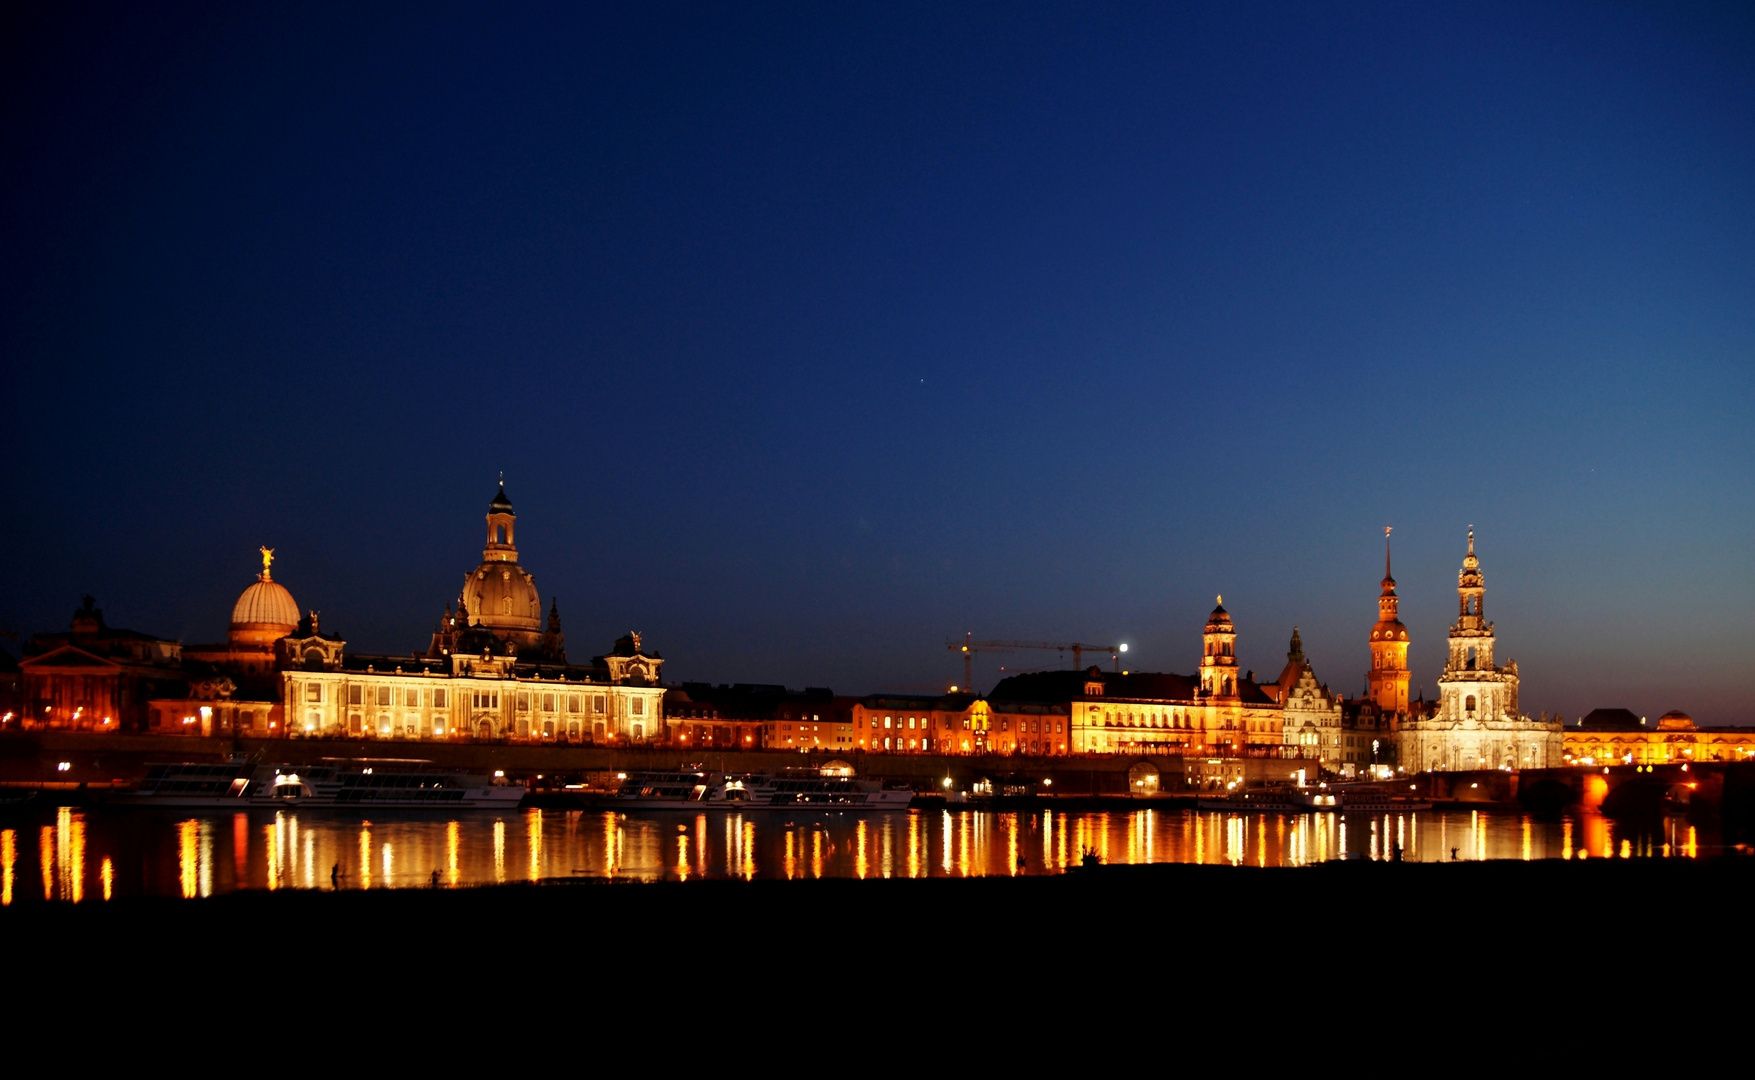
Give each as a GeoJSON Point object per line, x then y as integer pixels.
{"type": "Point", "coordinates": [96, 677]}
{"type": "Point", "coordinates": [1217, 712]}
{"type": "Point", "coordinates": [493, 670]}
{"type": "Point", "coordinates": [1618, 737]}
{"type": "Point", "coordinates": [1347, 737]}
{"type": "Point", "coordinates": [922, 724]}
{"type": "Point", "coordinates": [1477, 723]}
{"type": "Point", "coordinates": [704, 716]}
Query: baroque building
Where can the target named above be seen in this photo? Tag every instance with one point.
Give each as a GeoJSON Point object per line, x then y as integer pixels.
{"type": "Point", "coordinates": [1618, 737]}
{"type": "Point", "coordinates": [491, 671]}
{"type": "Point", "coordinates": [96, 677]}
{"type": "Point", "coordinates": [1217, 712]}
{"type": "Point", "coordinates": [1348, 737]}
{"type": "Point", "coordinates": [1477, 724]}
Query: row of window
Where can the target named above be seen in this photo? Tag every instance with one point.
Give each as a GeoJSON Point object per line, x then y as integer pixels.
{"type": "Point", "coordinates": [386, 726]}
{"type": "Point", "coordinates": [439, 698]}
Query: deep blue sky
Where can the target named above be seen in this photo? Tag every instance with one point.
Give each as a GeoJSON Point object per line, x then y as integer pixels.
{"type": "Point", "coordinates": [808, 337]}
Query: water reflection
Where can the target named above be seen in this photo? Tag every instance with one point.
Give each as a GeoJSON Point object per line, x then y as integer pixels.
{"type": "Point", "coordinates": [8, 859]}
{"type": "Point", "coordinates": [147, 853]}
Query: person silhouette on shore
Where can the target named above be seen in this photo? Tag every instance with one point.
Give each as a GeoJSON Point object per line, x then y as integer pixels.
{"type": "Point", "coordinates": [1453, 857]}
{"type": "Point", "coordinates": [435, 879]}
{"type": "Point", "coordinates": [335, 876]}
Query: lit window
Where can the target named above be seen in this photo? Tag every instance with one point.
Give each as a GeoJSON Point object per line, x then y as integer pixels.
{"type": "Point", "coordinates": [639, 706]}
{"type": "Point", "coordinates": [356, 695]}
{"type": "Point", "coordinates": [383, 695]}
{"type": "Point", "coordinates": [313, 691]}
{"type": "Point", "coordinates": [439, 698]}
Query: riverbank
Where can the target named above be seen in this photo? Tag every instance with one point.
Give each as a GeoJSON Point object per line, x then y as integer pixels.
{"type": "Point", "coordinates": [1164, 910]}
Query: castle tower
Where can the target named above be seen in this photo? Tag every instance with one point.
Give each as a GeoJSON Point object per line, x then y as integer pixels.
{"type": "Point", "coordinates": [1218, 663]}
{"type": "Point", "coordinates": [1388, 678]}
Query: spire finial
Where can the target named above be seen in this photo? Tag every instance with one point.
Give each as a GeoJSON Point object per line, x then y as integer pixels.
{"type": "Point", "coordinates": [1471, 539]}
{"type": "Point", "coordinates": [1221, 600]}
{"type": "Point", "coordinates": [1386, 531]}
{"type": "Point", "coordinates": [267, 560]}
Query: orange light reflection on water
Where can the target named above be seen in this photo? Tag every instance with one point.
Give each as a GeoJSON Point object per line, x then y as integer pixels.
{"type": "Point", "coordinates": [8, 860]}
{"type": "Point", "coordinates": [533, 822]}
{"type": "Point", "coordinates": [952, 842]}
{"type": "Point", "coordinates": [188, 854]}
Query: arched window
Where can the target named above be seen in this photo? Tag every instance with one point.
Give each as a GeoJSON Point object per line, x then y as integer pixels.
{"type": "Point", "coordinates": [1469, 703]}
{"type": "Point", "coordinates": [505, 605]}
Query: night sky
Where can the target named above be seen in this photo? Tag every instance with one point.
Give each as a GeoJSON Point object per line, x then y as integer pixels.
{"type": "Point", "coordinates": [808, 337]}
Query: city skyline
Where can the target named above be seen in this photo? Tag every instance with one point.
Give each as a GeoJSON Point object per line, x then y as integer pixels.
{"type": "Point", "coordinates": [806, 341]}
{"type": "Point", "coordinates": [1328, 653]}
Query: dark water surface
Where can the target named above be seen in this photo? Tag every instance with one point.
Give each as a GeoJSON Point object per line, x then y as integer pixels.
{"type": "Point", "coordinates": [97, 854]}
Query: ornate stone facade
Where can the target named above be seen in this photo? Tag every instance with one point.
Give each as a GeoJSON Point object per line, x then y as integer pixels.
{"type": "Point", "coordinates": [1477, 724]}
{"type": "Point", "coordinates": [491, 671]}
{"type": "Point", "coordinates": [1217, 713]}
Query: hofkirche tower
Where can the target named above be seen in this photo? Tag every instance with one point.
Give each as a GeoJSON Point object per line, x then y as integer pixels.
{"type": "Point", "coordinates": [1477, 724]}
{"type": "Point", "coordinates": [1388, 679]}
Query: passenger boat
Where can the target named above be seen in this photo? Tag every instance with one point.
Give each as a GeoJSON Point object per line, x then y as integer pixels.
{"type": "Point", "coordinates": [1255, 801]}
{"type": "Point", "coordinates": [401, 785]}
{"type": "Point", "coordinates": [1376, 800]}
{"type": "Point", "coordinates": [751, 791]}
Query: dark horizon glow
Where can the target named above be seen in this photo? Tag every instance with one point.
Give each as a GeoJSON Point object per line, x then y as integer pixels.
{"type": "Point", "coordinates": [809, 338]}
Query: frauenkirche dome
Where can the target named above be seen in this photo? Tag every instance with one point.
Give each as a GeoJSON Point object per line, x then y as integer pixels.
{"type": "Point", "coordinates": [499, 595]}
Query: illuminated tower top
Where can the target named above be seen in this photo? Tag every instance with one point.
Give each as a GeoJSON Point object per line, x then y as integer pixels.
{"type": "Point", "coordinates": [1388, 679]}
{"type": "Point", "coordinates": [1218, 664]}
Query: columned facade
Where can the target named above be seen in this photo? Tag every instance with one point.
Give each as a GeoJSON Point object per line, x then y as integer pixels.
{"type": "Point", "coordinates": [1477, 724]}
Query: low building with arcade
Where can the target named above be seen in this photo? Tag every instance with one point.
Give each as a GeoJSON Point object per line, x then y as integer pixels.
{"type": "Point", "coordinates": [1621, 737]}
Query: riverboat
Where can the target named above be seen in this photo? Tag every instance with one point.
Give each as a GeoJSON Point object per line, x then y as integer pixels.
{"type": "Point", "coordinates": [1379, 801]}
{"type": "Point", "coordinates": [1256, 801]}
{"type": "Point", "coordinates": [401, 785]}
{"type": "Point", "coordinates": [751, 791]}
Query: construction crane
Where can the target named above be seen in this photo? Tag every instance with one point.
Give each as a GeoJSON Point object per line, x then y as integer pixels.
{"type": "Point", "coordinates": [969, 647]}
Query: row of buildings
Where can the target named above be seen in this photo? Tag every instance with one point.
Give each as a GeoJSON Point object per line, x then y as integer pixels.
{"type": "Point", "coordinates": [495, 668]}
